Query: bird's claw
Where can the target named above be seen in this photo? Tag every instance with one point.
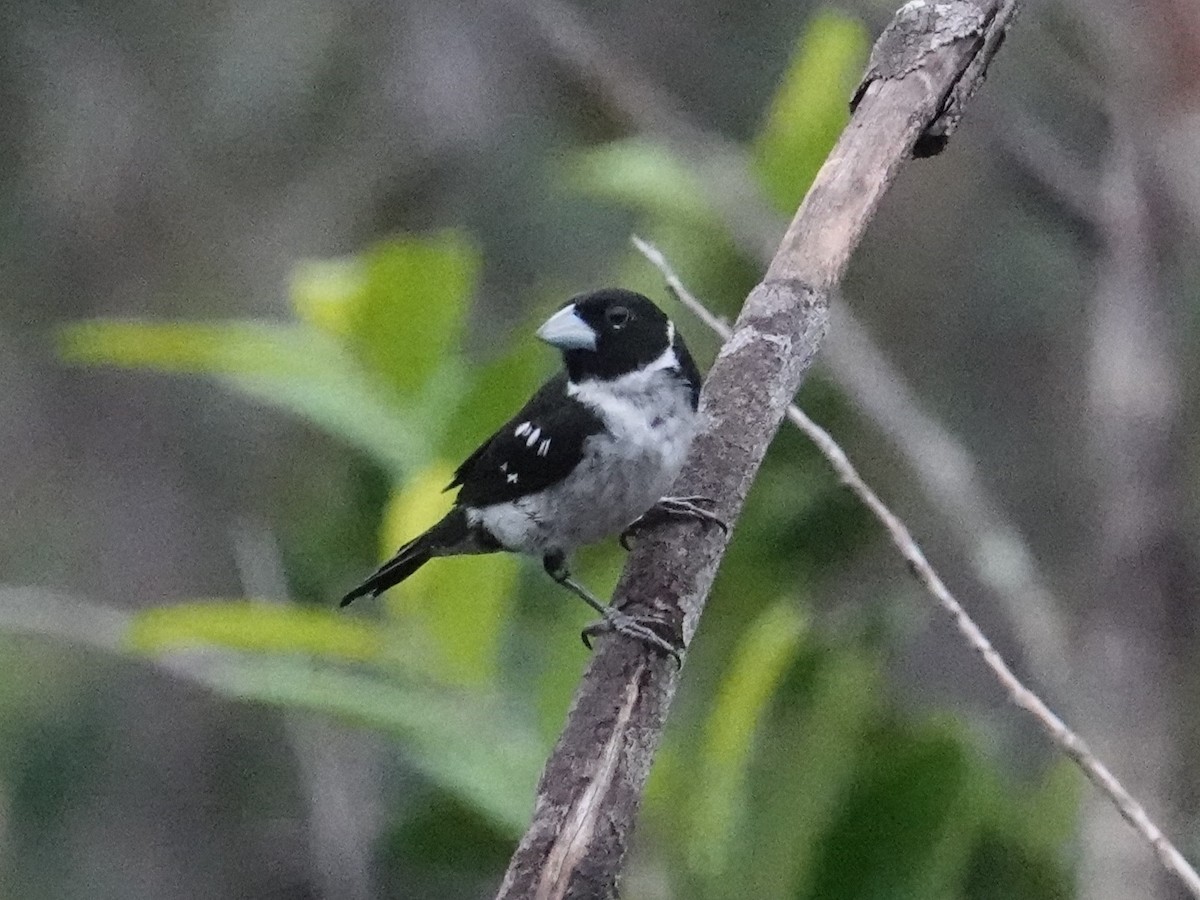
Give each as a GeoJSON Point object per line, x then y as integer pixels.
{"type": "Point", "coordinates": [629, 533]}
{"type": "Point", "coordinates": [639, 629]}
{"type": "Point", "coordinates": [673, 508]}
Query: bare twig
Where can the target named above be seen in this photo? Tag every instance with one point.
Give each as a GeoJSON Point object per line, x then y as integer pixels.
{"type": "Point", "coordinates": [996, 549]}
{"type": "Point", "coordinates": [591, 788]}
{"type": "Point", "coordinates": [1054, 728]}
{"type": "Point", "coordinates": [994, 546]}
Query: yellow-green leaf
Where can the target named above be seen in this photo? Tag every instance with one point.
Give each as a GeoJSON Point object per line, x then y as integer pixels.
{"type": "Point", "coordinates": [255, 626]}
{"type": "Point", "coordinates": [807, 760]}
{"type": "Point", "coordinates": [762, 658]}
{"type": "Point", "coordinates": [462, 602]}
{"type": "Point", "coordinates": [468, 743]}
{"type": "Point", "coordinates": [811, 106]}
{"type": "Point", "coordinates": [324, 292]}
{"type": "Point", "coordinates": [408, 318]}
{"type": "Point", "coordinates": [293, 367]}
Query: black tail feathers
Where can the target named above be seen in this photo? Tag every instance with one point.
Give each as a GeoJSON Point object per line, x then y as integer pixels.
{"type": "Point", "coordinates": [407, 560]}
{"type": "Point", "coordinates": [444, 538]}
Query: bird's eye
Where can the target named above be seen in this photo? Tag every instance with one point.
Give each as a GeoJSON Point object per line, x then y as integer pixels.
{"type": "Point", "coordinates": [617, 316]}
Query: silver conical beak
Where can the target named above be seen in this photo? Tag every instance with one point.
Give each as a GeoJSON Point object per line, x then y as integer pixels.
{"type": "Point", "coordinates": [567, 331]}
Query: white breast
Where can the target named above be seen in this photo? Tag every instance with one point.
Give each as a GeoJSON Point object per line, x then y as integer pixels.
{"type": "Point", "coordinates": [650, 424]}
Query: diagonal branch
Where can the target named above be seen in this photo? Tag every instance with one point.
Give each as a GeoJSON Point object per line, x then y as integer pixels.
{"type": "Point", "coordinates": [1054, 728]}
{"type": "Point", "coordinates": [592, 784]}
{"type": "Point", "coordinates": [994, 546]}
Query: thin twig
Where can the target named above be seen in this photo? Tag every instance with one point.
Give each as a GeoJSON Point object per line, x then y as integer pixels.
{"type": "Point", "coordinates": [1055, 729]}
{"type": "Point", "coordinates": [995, 548]}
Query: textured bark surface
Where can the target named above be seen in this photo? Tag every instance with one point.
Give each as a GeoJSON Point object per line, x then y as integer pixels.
{"type": "Point", "coordinates": [591, 787]}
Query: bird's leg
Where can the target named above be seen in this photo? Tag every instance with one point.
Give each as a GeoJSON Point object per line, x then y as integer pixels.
{"type": "Point", "coordinates": [674, 508]}
{"type": "Point", "coordinates": [555, 565]}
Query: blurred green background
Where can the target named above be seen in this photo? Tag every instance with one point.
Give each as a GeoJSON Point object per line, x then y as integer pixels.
{"type": "Point", "coordinates": [272, 269]}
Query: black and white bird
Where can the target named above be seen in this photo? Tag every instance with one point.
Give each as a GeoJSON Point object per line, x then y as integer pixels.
{"type": "Point", "coordinates": [591, 455]}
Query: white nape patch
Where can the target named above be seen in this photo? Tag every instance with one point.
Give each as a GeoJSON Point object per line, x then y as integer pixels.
{"type": "Point", "coordinates": [523, 429]}
{"type": "Point", "coordinates": [512, 479]}
{"type": "Point", "coordinates": [533, 437]}
{"type": "Point", "coordinates": [544, 447]}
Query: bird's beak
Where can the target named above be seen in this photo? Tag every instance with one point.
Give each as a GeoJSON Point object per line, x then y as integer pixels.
{"type": "Point", "coordinates": [567, 331]}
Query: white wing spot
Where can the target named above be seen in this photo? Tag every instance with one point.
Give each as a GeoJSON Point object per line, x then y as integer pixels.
{"type": "Point", "coordinates": [544, 447]}
{"type": "Point", "coordinates": [533, 437]}
{"type": "Point", "coordinates": [503, 467]}
{"type": "Point", "coordinates": [512, 479]}
{"type": "Point", "coordinates": [522, 429]}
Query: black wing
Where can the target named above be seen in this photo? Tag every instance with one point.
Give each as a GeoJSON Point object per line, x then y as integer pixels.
{"type": "Point", "coordinates": [687, 369]}
{"type": "Point", "coordinates": [536, 448]}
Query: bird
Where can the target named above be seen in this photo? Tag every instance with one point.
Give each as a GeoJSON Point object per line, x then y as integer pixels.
{"type": "Point", "coordinates": [591, 455]}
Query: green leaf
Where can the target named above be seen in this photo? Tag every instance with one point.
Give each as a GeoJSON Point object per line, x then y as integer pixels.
{"type": "Point", "coordinates": [673, 200]}
{"type": "Point", "coordinates": [644, 176]}
{"type": "Point", "coordinates": [809, 756]}
{"type": "Point", "coordinates": [810, 108]}
{"type": "Point", "coordinates": [898, 833]}
{"type": "Point", "coordinates": [1048, 818]}
{"type": "Point", "coordinates": [762, 658]}
{"type": "Point", "coordinates": [461, 604]}
{"type": "Point", "coordinates": [325, 291]}
{"type": "Point", "coordinates": [469, 744]}
{"type": "Point", "coordinates": [290, 367]}
{"type": "Point", "coordinates": [254, 626]}
{"type": "Point", "coordinates": [411, 305]}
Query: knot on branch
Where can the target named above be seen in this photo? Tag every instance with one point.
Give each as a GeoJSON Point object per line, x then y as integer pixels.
{"type": "Point", "coordinates": [919, 29]}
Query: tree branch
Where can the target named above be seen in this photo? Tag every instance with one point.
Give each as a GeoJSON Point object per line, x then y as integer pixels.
{"type": "Point", "coordinates": [994, 546]}
{"type": "Point", "coordinates": [591, 788]}
{"type": "Point", "coordinates": [1054, 728]}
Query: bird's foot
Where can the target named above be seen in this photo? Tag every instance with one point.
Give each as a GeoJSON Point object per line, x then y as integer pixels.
{"type": "Point", "coordinates": [674, 508]}
{"type": "Point", "coordinates": [640, 628]}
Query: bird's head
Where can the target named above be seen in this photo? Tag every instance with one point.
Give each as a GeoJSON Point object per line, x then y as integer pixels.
{"type": "Point", "coordinates": [611, 332]}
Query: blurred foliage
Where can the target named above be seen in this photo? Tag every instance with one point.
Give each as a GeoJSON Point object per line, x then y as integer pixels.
{"type": "Point", "coordinates": [809, 110]}
{"type": "Point", "coordinates": [785, 773]}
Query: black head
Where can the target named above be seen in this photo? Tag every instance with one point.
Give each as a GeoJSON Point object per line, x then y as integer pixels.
{"type": "Point", "coordinates": [609, 333]}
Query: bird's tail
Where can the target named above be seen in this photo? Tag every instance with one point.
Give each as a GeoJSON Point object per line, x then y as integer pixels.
{"type": "Point", "coordinates": [447, 536]}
